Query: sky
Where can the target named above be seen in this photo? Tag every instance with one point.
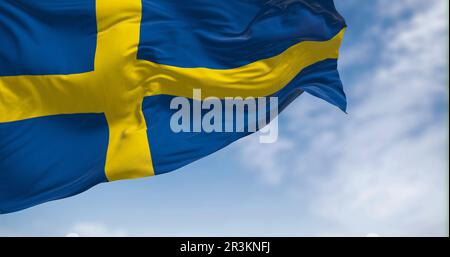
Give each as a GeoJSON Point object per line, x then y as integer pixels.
{"type": "Point", "coordinates": [381, 169]}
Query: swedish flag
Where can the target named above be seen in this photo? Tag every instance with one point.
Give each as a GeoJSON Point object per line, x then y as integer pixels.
{"type": "Point", "coordinates": [85, 85]}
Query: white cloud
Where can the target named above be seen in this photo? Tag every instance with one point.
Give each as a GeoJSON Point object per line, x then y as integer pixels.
{"type": "Point", "coordinates": [93, 229]}
{"type": "Point", "coordinates": [266, 158]}
{"type": "Point", "coordinates": [383, 168]}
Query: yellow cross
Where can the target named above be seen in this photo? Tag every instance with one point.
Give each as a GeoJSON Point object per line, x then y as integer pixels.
{"type": "Point", "coordinates": [119, 83]}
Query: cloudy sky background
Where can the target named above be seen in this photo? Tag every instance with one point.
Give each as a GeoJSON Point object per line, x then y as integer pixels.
{"type": "Point", "coordinates": [381, 169]}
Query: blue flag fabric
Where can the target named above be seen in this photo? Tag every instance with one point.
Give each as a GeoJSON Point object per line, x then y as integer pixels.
{"type": "Point", "coordinates": [86, 86]}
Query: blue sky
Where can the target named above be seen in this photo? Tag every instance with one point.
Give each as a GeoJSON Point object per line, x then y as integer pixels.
{"type": "Point", "coordinates": [381, 169]}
